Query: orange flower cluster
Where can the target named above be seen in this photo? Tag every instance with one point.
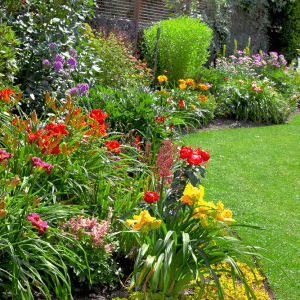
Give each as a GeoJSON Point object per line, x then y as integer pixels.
{"type": "Point", "coordinates": [5, 94]}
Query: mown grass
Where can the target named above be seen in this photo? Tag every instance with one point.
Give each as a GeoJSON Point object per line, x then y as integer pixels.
{"type": "Point", "coordinates": [256, 173]}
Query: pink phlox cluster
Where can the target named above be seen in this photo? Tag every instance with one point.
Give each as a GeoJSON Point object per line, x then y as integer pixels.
{"type": "Point", "coordinates": [168, 152]}
{"type": "Point", "coordinates": [37, 223]}
{"type": "Point", "coordinates": [38, 162]}
{"type": "Point", "coordinates": [97, 231]}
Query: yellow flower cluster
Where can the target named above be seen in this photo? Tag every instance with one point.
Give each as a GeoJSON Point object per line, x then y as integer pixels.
{"type": "Point", "coordinates": [143, 221]}
{"type": "Point", "coordinates": [162, 78]}
{"type": "Point", "coordinates": [237, 291]}
{"type": "Point", "coordinates": [194, 197]}
{"type": "Point", "coordinates": [190, 81]}
{"type": "Point", "coordinates": [193, 107]}
{"type": "Point", "coordinates": [202, 98]}
{"type": "Point", "coordinates": [184, 83]}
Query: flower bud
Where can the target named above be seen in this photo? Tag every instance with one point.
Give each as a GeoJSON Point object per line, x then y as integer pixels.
{"type": "Point", "coordinates": [3, 213]}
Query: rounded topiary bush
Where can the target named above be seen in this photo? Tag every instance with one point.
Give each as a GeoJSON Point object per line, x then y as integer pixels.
{"type": "Point", "coordinates": [183, 46]}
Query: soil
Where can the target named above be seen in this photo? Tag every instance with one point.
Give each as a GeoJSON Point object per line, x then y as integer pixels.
{"type": "Point", "coordinates": [226, 123]}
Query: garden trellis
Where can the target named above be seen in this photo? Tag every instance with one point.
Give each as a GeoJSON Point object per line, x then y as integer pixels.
{"type": "Point", "coordinates": [133, 16]}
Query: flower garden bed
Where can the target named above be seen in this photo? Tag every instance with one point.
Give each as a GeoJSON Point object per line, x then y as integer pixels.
{"type": "Point", "coordinates": [93, 170]}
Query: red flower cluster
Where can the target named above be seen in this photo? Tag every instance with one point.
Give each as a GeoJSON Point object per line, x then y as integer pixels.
{"type": "Point", "coordinates": [37, 223]}
{"type": "Point", "coordinates": [181, 103]}
{"type": "Point", "coordinates": [4, 155]}
{"type": "Point", "coordinates": [194, 158]}
{"type": "Point", "coordinates": [150, 197]}
{"type": "Point", "coordinates": [98, 115]}
{"type": "Point", "coordinates": [113, 145]}
{"type": "Point", "coordinates": [37, 162]}
{"type": "Point", "coordinates": [49, 141]}
{"type": "Point", "coordinates": [4, 94]}
{"type": "Point", "coordinates": [137, 142]}
{"type": "Point", "coordinates": [159, 119]}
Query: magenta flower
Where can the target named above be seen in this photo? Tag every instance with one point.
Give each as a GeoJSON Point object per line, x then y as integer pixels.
{"type": "Point", "coordinates": [38, 162]}
{"type": "Point", "coordinates": [4, 155]}
{"type": "Point", "coordinates": [37, 223]}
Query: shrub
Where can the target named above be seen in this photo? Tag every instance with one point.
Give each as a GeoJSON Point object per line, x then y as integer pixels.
{"type": "Point", "coordinates": [182, 46]}
{"type": "Point", "coordinates": [119, 68]}
{"type": "Point", "coordinates": [8, 44]}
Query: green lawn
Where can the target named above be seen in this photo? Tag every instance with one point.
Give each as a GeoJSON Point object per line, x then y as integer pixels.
{"type": "Point", "coordinates": [256, 173]}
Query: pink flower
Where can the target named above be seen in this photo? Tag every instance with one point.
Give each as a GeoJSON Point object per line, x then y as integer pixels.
{"type": "Point", "coordinates": [37, 223]}
{"type": "Point", "coordinates": [38, 162]}
{"type": "Point", "coordinates": [4, 155]}
{"type": "Point", "coordinates": [165, 71]}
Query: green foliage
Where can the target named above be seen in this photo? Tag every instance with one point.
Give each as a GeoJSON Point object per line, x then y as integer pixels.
{"type": "Point", "coordinates": [36, 25]}
{"type": "Point", "coordinates": [285, 19]}
{"type": "Point", "coordinates": [183, 46]}
{"type": "Point", "coordinates": [119, 68]}
{"type": "Point", "coordinates": [8, 44]}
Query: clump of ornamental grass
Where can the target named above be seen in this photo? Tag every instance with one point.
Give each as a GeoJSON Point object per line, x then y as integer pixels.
{"type": "Point", "coordinates": [182, 48]}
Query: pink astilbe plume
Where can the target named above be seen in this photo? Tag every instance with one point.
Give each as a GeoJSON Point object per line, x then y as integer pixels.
{"type": "Point", "coordinates": [97, 231]}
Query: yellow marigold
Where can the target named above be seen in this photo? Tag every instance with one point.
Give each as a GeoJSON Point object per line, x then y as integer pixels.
{"type": "Point", "coordinates": [182, 86]}
{"type": "Point", "coordinates": [190, 81]}
{"type": "Point", "coordinates": [202, 98]}
{"type": "Point", "coordinates": [193, 107]}
{"type": "Point", "coordinates": [203, 86]}
{"type": "Point", "coordinates": [162, 78]}
{"type": "Point", "coordinates": [181, 80]}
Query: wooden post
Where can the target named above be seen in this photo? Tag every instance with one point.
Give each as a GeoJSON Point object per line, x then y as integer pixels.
{"type": "Point", "coordinates": [136, 17]}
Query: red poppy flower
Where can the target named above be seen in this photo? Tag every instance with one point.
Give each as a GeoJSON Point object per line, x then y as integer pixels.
{"type": "Point", "coordinates": [150, 197]}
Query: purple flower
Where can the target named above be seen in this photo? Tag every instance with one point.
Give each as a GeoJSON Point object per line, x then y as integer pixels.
{"type": "Point", "coordinates": [52, 46]}
{"type": "Point", "coordinates": [58, 57]}
{"type": "Point", "coordinates": [45, 62]}
{"type": "Point", "coordinates": [73, 52]}
{"type": "Point", "coordinates": [83, 89]}
{"type": "Point", "coordinates": [45, 82]}
{"type": "Point", "coordinates": [73, 91]}
{"type": "Point", "coordinates": [72, 62]}
{"type": "Point", "coordinates": [57, 66]}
